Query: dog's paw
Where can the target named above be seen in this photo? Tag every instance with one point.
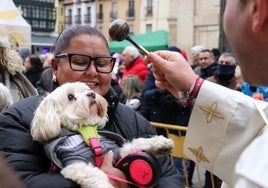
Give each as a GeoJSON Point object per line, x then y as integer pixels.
{"type": "Point", "coordinates": [157, 145]}
{"type": "Point", "coordinates": [162, 145]}
{"type": "Point", "coordinates": [86, 175]}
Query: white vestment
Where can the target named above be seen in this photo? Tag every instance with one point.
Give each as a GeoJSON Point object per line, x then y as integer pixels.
{"type": "Point", "coordinates": [226, 136]}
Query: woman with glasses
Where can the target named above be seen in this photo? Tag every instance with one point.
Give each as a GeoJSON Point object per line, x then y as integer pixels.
{"type": "Point", "coordinates": [81, 54]}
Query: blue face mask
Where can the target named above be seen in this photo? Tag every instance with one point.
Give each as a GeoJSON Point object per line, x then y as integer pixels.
{"type": "Point", "coordinates": [224, 70]}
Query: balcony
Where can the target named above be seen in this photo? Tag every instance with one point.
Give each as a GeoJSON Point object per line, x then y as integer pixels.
{"type": "Point", "coordinates": [113, 15]}
{"type": "Point", "coordinates": [100, 17]}
{"type": "Point", "coordinates": [68, 19]}
{"type": "Point", "coordinates": [87, 18]}
{"type": "Point", "coordinates": [77, 19]}
{"type": "Point", "coordinates": [130, 14]}
{"type": "Point", "coordinates": [148, 11]}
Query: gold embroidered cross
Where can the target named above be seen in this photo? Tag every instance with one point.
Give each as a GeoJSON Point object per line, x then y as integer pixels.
{"type": "Point", "coordinates": [211, 112]}
{"type": "Point", "coordinates": [199, 154]}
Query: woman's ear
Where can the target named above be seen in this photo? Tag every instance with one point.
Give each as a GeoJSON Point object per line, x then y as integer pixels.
{"type": "Point", "coordinates": [54, 65]}
{"type": "Point", "coordinates": [259, 12]}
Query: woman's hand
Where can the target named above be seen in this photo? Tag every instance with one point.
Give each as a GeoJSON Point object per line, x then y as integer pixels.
{"type": "Point", "coordinates": [108, 168]}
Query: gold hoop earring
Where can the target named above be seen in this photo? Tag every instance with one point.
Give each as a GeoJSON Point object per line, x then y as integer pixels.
{"type": "Point", "coordinates": [54, 78]}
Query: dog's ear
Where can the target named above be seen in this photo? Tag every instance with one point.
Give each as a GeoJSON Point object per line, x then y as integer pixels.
{"type": "Point", "coordinates": [46, 122]}
{"type": "Point", "coordinates": [101, 105]}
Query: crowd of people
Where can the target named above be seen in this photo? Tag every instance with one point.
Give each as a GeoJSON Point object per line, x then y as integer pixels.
{"type": "Point", "coordinates": [208, 92]}
{"type": "Point", "coordinates": [133, 82]}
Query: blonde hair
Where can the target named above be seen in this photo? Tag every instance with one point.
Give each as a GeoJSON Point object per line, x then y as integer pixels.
{"type": "Point", "coordinates": [47, 60]}
{"type": "Point", "coordinates": [10, 59]}
{"type": "Point", "coordinates": [132, 86]}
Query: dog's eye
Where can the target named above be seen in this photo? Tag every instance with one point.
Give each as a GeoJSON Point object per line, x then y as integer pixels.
{"type": "Point", "coordinates": [71, 97]}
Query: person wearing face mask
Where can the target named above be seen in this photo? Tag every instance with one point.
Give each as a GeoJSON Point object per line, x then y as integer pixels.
{"type": "Point", "coordinates": [225, 74]}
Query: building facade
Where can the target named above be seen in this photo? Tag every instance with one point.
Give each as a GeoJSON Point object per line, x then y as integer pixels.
{"type": "Point", "coordinates": [41, 15]}
{"type": "Point", "coordinates": [108, 11]}
{"type": "Point", "coordinates": [188, 22]}
{"type": "Point", "coordinates": [79, 12]}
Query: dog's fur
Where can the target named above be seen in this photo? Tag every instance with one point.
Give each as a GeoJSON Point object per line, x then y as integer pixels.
{"type": "Point", "coordinates": [5, 97]}
{"type": "Point", "coordinates": [73, 105]}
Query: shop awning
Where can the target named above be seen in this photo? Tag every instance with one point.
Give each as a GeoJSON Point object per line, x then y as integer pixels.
{"type": "Point", "coordinates": [151, 41]}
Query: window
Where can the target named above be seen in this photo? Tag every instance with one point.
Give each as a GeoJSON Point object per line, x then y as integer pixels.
{"type": "Point", "coordinates": [41, 14]}
{"type": "Point", "coordinates": [131, 9]}
{"type": "Point", "coordinates": [88, 10]}
{"type": "Point", "coordinates": [87, 16]}
{"type": "Point", "coordinates": [114, 10]}
{"type": "Point", "coordinates": [148, 28]}
{"type": "Point", "coordinates": [100, 15]}
{"type": "Point", "coordinates": [70, 12]}
{"type": "Point", "coordinates": [149, 9]}
{"type": "Point", "coordinates": [61, 11]}
{"type": "Point", "coordinates": [43, 24]}
{"type": "Point", "coordinates": [68, 18]}
{"type": "Point", "coordinates": [78, 16]}
{"type": "Point", "coordinates": [25, 11]}
{"type": "Point", "coordinates": [131, 30]}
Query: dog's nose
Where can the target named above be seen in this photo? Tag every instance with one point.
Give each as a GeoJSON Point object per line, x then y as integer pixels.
{"type": "Point", "coordinates": [91, 94]}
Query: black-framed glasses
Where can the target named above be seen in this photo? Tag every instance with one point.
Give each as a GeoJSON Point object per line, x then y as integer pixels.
{"type": "Point", "coordinates": [81, 62]}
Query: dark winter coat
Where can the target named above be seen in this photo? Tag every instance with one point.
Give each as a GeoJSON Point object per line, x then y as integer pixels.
{"type": "Point", "coordinates": [161, 106]}
{"type": "Point", "coordinates": [45, 83]}
{"type": "Point", "coordinates": [29, 159]}
{"type": "Point", "coordinates": [209, 71]}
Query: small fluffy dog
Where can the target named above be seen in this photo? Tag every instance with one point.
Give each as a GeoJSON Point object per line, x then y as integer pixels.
{"type": "Point", "coordinates": [73, 106]}
{"type": "Point", "coordinates": [5, 97]}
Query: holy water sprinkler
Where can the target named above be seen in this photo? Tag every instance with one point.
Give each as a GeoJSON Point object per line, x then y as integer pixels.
{"type": "Point", "coordinates": [119, 31]}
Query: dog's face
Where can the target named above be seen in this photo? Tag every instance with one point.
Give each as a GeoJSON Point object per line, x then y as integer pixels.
{"type": "Point", "coordinates": [71, 105]}
{"type": "Point", "coordinates": [78, 105]}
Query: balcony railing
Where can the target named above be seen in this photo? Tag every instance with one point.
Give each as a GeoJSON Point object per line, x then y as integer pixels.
{"type": "Point", "coordinates": [113, 15]}
{"type": "Point", "coordinates": [130, 14]}
{"type": "Point", "coordinates": [149, 11]}
{"type": "Point", "coordinates": [100, 17]}
{"type": "Point", "coordinates": [87, 18]}
{"type": "Point", "coordinates": [68, 19]}
{"type": "Point", "coordinates": [77, 19]}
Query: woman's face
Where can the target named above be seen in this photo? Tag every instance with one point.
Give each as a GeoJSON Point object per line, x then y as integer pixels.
{"type": "Point", "coordinates": [27, 64]}
{"type": "Point", "coordinates": [89, 45]}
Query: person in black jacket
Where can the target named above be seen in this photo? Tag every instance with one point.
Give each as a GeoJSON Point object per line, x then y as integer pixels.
{"type": "Point", "coordinates": [27, 157]}
{"type": "Point", "coordinates": [33, 69]}
{"type": "Point", "coordinates": [208, 63]}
